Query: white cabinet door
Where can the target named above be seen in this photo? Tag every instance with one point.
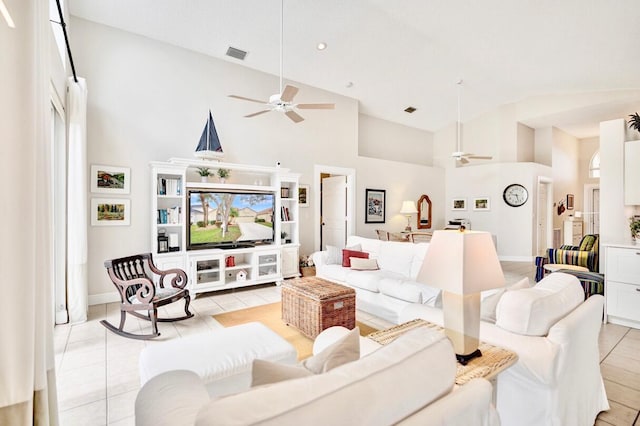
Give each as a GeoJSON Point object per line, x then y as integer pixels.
{"type": "Point", "coordinates": [290, 262]}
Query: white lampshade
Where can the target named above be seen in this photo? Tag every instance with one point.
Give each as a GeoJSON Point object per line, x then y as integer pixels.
{"type": "Point", "coordinates": [408, 207]}
{"type": "Point", "coordinates": [462, 263]}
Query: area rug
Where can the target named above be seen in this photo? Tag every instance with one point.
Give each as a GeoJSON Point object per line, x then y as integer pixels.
{"type": "Point", "coordinates": [271, 316]}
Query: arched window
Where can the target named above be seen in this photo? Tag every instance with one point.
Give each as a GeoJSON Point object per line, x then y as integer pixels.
{"type": "Point", "coordinates": [594, 165]}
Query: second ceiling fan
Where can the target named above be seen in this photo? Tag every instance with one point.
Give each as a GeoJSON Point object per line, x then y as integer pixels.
{"type": "Point", "coordinates": [459, 155]}
{"type": "Point", "coordinates": [283, 101]}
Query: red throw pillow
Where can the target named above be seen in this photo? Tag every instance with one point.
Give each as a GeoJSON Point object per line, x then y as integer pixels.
{"type": "Point", "coordinates": [346, 254]}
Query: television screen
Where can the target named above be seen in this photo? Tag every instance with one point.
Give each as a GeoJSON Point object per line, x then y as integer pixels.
{"type": "Point", "coordinates": [229, 218]}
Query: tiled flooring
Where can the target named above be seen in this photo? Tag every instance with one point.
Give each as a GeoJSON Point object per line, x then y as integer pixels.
{"type": "Point", "coordinates": [97, 371]}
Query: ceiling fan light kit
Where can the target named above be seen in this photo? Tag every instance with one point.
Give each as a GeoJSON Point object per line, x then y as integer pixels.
{"type": "Point", "coordinates": [283, 101]}
{"type": "Point", "coordinates": [459, 155]}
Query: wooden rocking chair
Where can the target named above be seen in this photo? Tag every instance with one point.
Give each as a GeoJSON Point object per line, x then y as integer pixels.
{"type": "Point", "coordinates": [142, 288]}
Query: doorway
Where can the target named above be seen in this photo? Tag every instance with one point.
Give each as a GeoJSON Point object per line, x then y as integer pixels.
{"type": "Point", "coordinates": [591, 213]}
{"type": "Point", "coordinates": [544, 215]}
{"type": "Point", "coordinates": [335, 197]}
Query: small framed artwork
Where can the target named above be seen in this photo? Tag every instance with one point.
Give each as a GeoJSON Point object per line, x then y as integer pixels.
{"type": "Point", "coordinates": [569, 201]}
{"type": "Point", "coordinates": [303, 195]}
{"type": "Point", "coordinates": [110, 212]}
{"type": "Point", "coordinates": [110, 179]}
{"type": "Point", "coordinates": [375, 205]}
{"type": "Point", "coordinates": [459, 204]}
{"type": "Point", "coordinates": [481, 204]}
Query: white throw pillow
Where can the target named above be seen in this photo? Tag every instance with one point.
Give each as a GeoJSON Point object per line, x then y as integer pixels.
{"type": "Point", "coordinates": [360, 264]}
{"type": "Point", "coordinates": [533, 311]}
{"type": "Point", "coordinates": [334, 254]}
{"type": "Point", "coordinates": [490, 299]}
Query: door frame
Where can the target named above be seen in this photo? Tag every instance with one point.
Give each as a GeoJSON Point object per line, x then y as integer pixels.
{"type": "Point", "coordinates": [350, 173]}
{"type": "Point", "coordinates": [588, 214]}
{"type": "Point", "coordinates": [544, 180]}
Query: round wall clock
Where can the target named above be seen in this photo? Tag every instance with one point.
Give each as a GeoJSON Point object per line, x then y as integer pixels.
{"type": "Point", "coordinates": [515, 195]}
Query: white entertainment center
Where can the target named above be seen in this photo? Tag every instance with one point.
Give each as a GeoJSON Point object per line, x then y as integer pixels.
{"type": "Point", "coordinates": [212, 269]}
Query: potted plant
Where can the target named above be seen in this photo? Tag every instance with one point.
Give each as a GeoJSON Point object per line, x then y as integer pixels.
{"type": "Point", "coordinates": [634, 122]}
{"type": "Point", "coordinates": [634, 226]}
{"type": "Point", "coordinates": [204, 173]}
{"type": "Point", "coordinates": [223, 174]}
{"type": "Point", "coordinates": [307, 268]}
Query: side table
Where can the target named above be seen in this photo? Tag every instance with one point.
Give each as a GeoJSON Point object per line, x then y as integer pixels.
{"type": "Point", "coordinates": [493, 361]}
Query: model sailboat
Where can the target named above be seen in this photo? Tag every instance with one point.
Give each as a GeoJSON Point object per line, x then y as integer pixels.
{"type": "Point", "coordinates": [209, 147]}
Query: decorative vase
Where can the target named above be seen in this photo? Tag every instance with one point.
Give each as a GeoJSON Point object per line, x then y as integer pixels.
{"type": "Point", "coordinates": [204, 179]}
{"type": "Point", "coordinates": [223, 180]}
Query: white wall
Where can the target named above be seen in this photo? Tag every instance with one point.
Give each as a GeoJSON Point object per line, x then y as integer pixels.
{"type": "Point", "coordinates": [514, 227]}
{"type": "Point", "coordinates": [148, 101]}
{"type": "Point", "coordinates": [391, 141]}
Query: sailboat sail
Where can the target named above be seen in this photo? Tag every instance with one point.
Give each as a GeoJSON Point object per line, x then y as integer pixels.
{"type": "Point", "coordinates": [209, 145]}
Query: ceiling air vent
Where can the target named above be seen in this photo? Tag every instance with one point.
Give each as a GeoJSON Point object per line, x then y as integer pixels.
{"type": "Point", "coordinates": [236, 53]}
{"type": "Point", "coordinates": [409, 109]}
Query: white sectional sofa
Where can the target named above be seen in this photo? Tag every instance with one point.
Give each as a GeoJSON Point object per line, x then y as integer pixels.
{"type": "Point", "coordinates": [387, 291]}
{"type": "Point", "coordinates": [407, 382]}
{"type": "Point", "coordinates": [556, 380]}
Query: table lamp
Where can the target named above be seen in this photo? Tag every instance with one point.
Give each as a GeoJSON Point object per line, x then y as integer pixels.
{"type": "Point", "coordinates": [462, 263]}
{"type": "Point", "coordinates": [408, 208]}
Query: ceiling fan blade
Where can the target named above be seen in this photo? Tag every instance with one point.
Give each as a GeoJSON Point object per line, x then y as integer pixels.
{"type": "Point", "coordinates": [257, 113]}
{"type": "Point", "coordinates": [463, 160]}
{"type": "Point", "coordinates": [248, 99]}
{"type": "Point", "coordinates": [479, 157]}
{"type": "Point", "coordinates": [294, 116]}
{"type": "Point", "coordinates": [288, 93]}
{"type": "Point", "coordinates": [316, 106]}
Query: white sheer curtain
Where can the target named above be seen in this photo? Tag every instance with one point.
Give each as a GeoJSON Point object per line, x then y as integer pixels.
{"type": "Point", "coordinates": [27, 377]}
{"type": "Point", "coordinates": [77, 285]}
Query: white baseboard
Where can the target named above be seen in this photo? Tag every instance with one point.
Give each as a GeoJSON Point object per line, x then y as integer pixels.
{"type": "Point", "coordinates": [99, 299]}
{"type": "Point", "coordinates": [516, 258]}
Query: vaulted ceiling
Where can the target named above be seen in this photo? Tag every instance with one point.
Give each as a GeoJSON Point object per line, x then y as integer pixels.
{"type": "Point", "coordinates": [393, 54]}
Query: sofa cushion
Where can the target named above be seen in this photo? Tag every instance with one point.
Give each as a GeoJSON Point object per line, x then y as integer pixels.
{"type": "Point", "coordinates": [348, 254]}
{"type": "Point", "coordinates": [419, 252]}
{"type": "Point", "coordinates": [421, 360]}
{"type": "Point", "coordinates": [532, 311]}
{"type": "Point", "coordinates": [367, 280]}
{"type": "Point", "coordinates": [396, 257]}
{"type": "Point", "coordinates": [359, 264]}
{"type": "Point", "coordinates": [490, 298]}
{"type": "Point", "coordinates": [266, 372]}
{"type": "Point", "coordinates": [370, 245]}
{"type": "Point", "coordinates": [334, 256]}
{"type": "Point", "coordinates": [400, 289]}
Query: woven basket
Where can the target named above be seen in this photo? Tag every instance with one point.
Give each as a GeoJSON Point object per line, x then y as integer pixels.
{"type": "Point", "coordinates": [308, 271]}
{"type": "Point", "coordinates": [313, 304]}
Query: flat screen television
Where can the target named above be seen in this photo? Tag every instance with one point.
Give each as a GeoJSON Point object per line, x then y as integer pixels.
{"type": "Point", "coordinates": [229, 219]}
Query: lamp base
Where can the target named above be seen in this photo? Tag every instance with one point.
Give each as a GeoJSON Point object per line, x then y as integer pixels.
{"type": "Point", "coordinates": [407, 228]}
{"type": "Point", "coordinates": [464, 359]}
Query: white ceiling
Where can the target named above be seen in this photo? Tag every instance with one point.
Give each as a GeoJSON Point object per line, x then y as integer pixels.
{"type": "Point", "coordinates": [411, 52]}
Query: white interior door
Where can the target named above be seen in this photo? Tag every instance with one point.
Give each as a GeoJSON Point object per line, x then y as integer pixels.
{"type": "Point", "coordinates": [334, 211]}
{"type": "Point", "coordinates": [543, 219]}
{"type": "Point", "coordinates": [595, 208]}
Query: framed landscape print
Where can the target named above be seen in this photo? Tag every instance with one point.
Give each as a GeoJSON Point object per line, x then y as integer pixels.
{"type": "Point", "coordinates": [375, 205]}
{"type": "Point", "coordinates": [110, 179]}
{"type": "Point", "coordinates": [482, 203]}
{"type": "Point", "coordinates": [569, 201]}
{"type": "Point", "coordinates": [459, 204]}
{"type": "Point", "coordinates": [110, 212]}
{"type": "Point", "coordinates": [303, 195]}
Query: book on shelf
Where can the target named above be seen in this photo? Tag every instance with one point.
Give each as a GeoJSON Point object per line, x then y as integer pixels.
{"type": "Point", "coordinates": [170, 216]}
{"type": "Point", "coordinates": [169, 186]}
{"type": "Point", "coordinates": [284, 214]}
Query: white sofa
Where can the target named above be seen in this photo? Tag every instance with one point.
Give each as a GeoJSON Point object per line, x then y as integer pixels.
{"type": "Point", "coordinates": [556, 380]}
{"type": "Point", "coordinates": [409, 381]}
{"type": "Point", "coordinates": [387, 291]}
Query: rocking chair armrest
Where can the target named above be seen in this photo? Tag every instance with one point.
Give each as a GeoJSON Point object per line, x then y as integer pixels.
{"type": "Point", "coordinates": [179, 279]}
{"type": "Point", "coordinates": [145, 293]}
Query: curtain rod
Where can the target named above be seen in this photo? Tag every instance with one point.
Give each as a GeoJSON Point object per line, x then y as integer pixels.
{"type": "Point", "coordinates": [66, 40]}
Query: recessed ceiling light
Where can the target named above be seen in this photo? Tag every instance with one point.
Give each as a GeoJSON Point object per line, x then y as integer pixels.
{"type": "Point", "coordinates": [349, 84]}
{"type": "Point", "coordinates": [409, 109]}
{"type": "Point", "coordinates": [321, 46]}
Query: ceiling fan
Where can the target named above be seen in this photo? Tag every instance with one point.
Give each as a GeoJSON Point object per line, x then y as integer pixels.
{"type": "Point", "coordinates": [459, 155]}
{"type": "Point", "coordinates": [283, 101]}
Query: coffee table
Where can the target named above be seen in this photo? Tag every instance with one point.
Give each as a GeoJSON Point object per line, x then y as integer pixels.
{"type": "Point", "coordinates": [312, 304]}
{"type": "Point", "coordinates": [493, 361]}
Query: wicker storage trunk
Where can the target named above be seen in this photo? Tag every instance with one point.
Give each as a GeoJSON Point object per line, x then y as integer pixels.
{"type": "Point", "coordinates": [312, 304]}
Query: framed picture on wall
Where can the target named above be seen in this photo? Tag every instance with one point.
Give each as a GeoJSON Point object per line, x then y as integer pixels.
{"type": "Point", "coordinates": [110, 179]}
{"type": "Point", "coordinates": [375, 205]}
{"type": "Point", "coordinates": [303, 195]}
{"type": "Point", "coordinates": [569, 201]}
{"type": "Point", "coordinates": [110, 212]}
{"type": "Point", "coordinates": [482, 203]}
{"type": "Point", "coordinates": [459, 204]}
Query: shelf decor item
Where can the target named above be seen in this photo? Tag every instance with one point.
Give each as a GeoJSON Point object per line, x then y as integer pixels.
{"type": "Point", "coordinates": [110, 179]}
{"type": "Point", "coordinates": [209, 147]}
{"type": "Point", "coordinates": [204, 173]}
{"type": "Point", "coordinates": [634, 122]}
{"type": "Point", "coordinates": [223, 174]}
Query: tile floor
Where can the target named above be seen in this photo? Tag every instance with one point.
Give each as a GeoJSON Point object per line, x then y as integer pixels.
{"type": "Point", "coordinates": [97, 371]}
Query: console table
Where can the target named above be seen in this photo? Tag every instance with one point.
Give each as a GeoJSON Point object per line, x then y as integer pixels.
{"type": "Point", "coordinates": [493, 361]}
